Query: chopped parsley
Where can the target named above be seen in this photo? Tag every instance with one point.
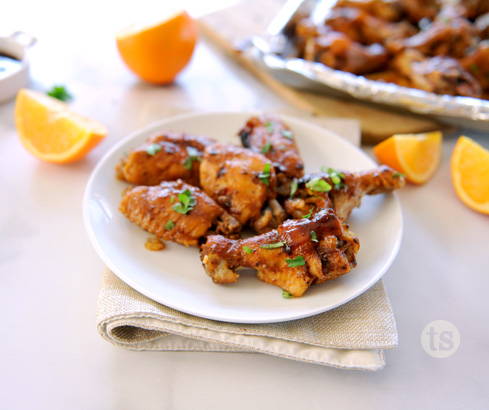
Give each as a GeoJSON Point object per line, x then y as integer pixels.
{"type": "Point", "coordinates": [297, 261]}
{"type": "Point", "coordinates": [186, 202]}
{"type": "Point", "coordinates": [269, 126]}
{"type": "Point", "coordinates": [60, 92]}
{"type": "Point", "coordinates": [318, 185]}
{"type": "Point", "coordinates": [288, 134]}
{"type": "Point", "coordinates": [153, 149]}
{"type": "Point", "coordinates": [337, 178]}
{"type": "Point", "coordinates": [172, 199]}
{"type": "Point", "coordinates": [169, 225]}
{"type": "Point", "coordinates": [272, 245]}
{"type": "Point", "coordinates": [308, 215]}
{"type": "Point", "coordinates": [286, 295]}
{"type": "Point", "coordinates": [293, 187]}
{"type": "Point", "coordinates": [265, 174]}
{"type": "Point", "coordinates": [397, 175]}
{"type": "Point", "coordinates": [266, 148]}
{"type": "Point", "coordinates": [248, 250]}
{"type": "Point", "coordinates": [193, 155]}
{"type": "Point", "coordinates": [474, 68]}
{"type": "Point", "coordinates": [314, 236]}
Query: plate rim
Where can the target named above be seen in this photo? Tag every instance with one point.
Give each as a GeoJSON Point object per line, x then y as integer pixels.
{"type": "Point", "coordinates": [148, 293]}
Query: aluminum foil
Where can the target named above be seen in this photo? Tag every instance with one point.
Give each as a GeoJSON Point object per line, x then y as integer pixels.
{"type": "Point", "coordinates": [276, 52]}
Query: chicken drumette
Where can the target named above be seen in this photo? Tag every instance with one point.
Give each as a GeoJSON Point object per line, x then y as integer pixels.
{"type": "Point", "coordinates": [274, 139]}
{"type": "Point", "coordinates": [244, 183]}
{"type": "Point", "coordinates": [176, 211]}
{"type": "Point", "coordinates": [166, 157]}
{"type": "Point", "coordinates": [341, 191]}
{"type": "Point", "coordinates": [296, 255]}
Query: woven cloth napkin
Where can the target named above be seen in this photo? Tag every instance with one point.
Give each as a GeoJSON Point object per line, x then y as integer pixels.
{"type": "Point", "coordinates": [351, 336]}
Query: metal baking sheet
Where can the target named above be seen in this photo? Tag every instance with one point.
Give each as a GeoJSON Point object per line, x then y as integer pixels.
{"type": "Point", "coordinates": [276, 52]}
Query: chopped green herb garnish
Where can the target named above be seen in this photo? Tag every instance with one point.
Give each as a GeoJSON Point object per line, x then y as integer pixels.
{"type": "Point", "coordinates": [169, 225]}
{"type": "Point", "coordinates": [265, 174]}
{"type": "Point", "coordinates": [293, 187]}
{"type": "Point", "coordinates": [60, 92]}
{"type": "Point", "coordinates": [186, 202]}
{"type": "Point", "coordinates": [248, 250]}
{"type": "Point", "coordinates": [474, 68]}
{"type": "Point", "coordinates": [308, 215]}
{"type": "Point", "coordinates": [397, 175]}
{"type": "Point", "coordinates": [272, 245]}
{"type": "Point", "coordinates": [266, 148]}
{"type": "Point", "coordinates": [336, 177]}
{"type": "Point", "coordinates": [297, 261]}
{"type": "Point", "coordinates": [172, 199]}
{"type": "Point", "coordinates": [269, 126]}
{"type": "Point", "coordinates": [193, 155]}
{"type": "Point", "coordinates": [318, 185]}
{"type": "Point", "coordinates": [153, 149]}
{"type": "Point", "coordinates": [314, 236]}
{"type": "Point", "coordinates": [286, 295]}
{"type": "Point", "coordinates": [288, 134]}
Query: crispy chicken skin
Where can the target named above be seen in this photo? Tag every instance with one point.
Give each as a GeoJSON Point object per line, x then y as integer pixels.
{"type": "Point", "coordinates": [166, 157]}
{"type": "Point", "coordinates": [153, 209]}
{"type": "Point", "coordinates": [240, 180]}
{"type": "Point", "coordinates": [419, 9]}
{"type": "Point", "coordinates": [274, 139]}
{"type": "Point", "coordinates": [342, 197]}
{"type": "Point", "coordinates": [327, 254]}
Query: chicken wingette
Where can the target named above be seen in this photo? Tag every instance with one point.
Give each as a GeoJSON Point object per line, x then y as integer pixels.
{"type": "Point", "coordinates": [294, 256]}
{"type": "Point", "coordinates": [341, 191]}
{"type": "Point", "coordinates": [273, 138]}
{"type": "Point", "coordinates": [166, 157]}
{"type": "Point", "coordinates": [176, 211]}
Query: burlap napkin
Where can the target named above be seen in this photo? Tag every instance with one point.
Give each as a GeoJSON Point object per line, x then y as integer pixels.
{"type": "Point", "coordinates": [352, 336]}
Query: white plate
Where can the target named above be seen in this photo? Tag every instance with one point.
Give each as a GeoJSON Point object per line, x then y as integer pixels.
{"type": "Point", "coordinates": [175, 277]}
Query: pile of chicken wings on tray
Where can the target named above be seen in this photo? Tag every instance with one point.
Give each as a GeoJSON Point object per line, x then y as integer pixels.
{"type": "Point", "coordinates": [440, 46]}
{"type": "Point", "coordinates": [197, 192]}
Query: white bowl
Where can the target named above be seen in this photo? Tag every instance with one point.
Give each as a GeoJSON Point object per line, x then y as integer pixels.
{"type": "Point", "coordinates": [16, 46]}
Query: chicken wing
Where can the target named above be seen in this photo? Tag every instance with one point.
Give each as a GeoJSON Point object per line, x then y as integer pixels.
{"type": "Point", "coordinates": [240, 180]}
{"type": "Point", "coordinates": [420, 9]}
{"type": "Point", "coordinates": [342, 191]}
{"type": "Point", "coordinates": [274, 139]}
{"type": "Point", "coordinates": [441, 75]}
{"type": "Point", "coordinates": [292, 257]}
{"type": "Point", "coordinates": [477, 63]}
{"type": "Point", "coordinates": [166, 157]}
{"type": "Point", "coordinates": [176, 211]}
{"type": "Point", "coordinates": [388, 10]}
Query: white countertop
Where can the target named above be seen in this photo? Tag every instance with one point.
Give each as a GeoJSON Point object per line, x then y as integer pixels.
{"type": "Point", "coordinates": [52, 356]}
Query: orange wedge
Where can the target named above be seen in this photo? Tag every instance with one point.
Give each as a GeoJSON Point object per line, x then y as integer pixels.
{"type": "Point", "coordinates": [158, 52]}
{"type": "Point", "coordinates": [51, 132]}
{"type": "Point", "coordinates": [470, 174]}
{"type": "Point", "coordinates": [415, 155]}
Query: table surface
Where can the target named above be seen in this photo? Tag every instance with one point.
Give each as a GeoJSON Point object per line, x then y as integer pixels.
{"type": "Point", "coordinates": [53, 357]}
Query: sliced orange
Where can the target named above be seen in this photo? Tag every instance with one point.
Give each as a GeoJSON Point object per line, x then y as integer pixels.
{"type": "Point", "coordinates": [415, 155]}
{"type": "Point", "coordinates": [470, 174]}
{"type": "Point", "coordinates": [158, 52]}
{"type": "Point", "coordinates": [50, 131]}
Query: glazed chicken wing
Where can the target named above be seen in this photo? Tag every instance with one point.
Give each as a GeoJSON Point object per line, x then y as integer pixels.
{"type": "Point", "coordinates": [294, 256]}
{"type": "Point", "coordinates": [388, 10]}
{"type": "Point", "coordinates": [166, 157]}
{"type": "Point", "coordinates": [240, 180]}
{"type": "Point", "coordinates": [477, 64]}
{"type": "Point", "coordinates": [441, 75]}
{"type": "Point", "coordinates": [176, 211]}
{"type": "Point", "coordinates": [420, 9]}
{"type": "Point", "coordinates": [271, 137]}
{"type": "Point", "coordinates": [341, 191]}
{"type": "Point", "coordinates": [363, 28]}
